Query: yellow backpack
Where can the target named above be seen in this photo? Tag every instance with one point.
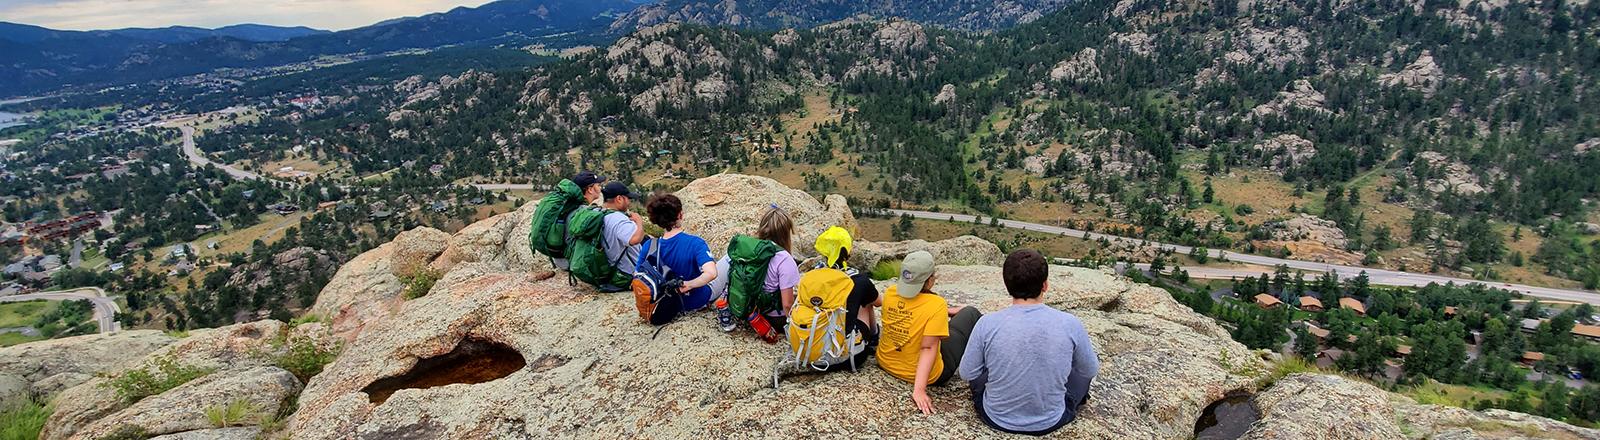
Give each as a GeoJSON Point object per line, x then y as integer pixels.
{"type": "Point", "coordinates": [819, 332]}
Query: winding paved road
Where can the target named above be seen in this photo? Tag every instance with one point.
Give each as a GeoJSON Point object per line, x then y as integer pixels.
{"type": "Point", "coordinates": [199, 159]}
{"type": "Point", "coordinates": [1376, 276]}
{"type": "Point", "coordinates": [504, 186]}
{"type": "Point", "coordinates": [105, 310]}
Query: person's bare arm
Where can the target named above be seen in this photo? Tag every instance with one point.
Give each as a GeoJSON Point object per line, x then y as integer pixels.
{"type": "Point", "coordinates": [925, 357]}
{"type": "Point", "coordinates": [708, 272]}
{"type": "Point", "coordinates": [638, 229]}
{"type": "Point", "coordinates": [788, 297]}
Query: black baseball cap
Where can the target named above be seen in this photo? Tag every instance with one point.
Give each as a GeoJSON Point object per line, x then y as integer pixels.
{"type": "Point", "coordinates": [614, 189]}
{"type": "Point", "coordinates": [584, 179]}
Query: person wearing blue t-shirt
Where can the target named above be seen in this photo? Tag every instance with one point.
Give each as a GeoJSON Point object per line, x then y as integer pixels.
{"type": "Point", "coordinates": [688, 255]}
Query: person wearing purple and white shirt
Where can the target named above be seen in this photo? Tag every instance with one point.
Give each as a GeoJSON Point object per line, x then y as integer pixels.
{"type": "Point", "coordinates": [783, 273]}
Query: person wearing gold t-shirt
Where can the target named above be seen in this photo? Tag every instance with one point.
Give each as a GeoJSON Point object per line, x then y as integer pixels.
{"type": "Point", "coordinates": [922, 337]}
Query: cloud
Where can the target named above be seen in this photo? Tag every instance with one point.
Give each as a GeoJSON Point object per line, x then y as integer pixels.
{"type": "Point", "coordinates": [112, 14]}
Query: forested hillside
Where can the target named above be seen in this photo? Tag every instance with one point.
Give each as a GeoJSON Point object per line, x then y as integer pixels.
{"type": "Point", "coordinates": [1423, 136]}
{"type": "Point", "coordinates": [972, 15]}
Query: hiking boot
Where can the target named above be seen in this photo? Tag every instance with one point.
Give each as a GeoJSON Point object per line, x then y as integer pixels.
{"type": "Point", "coordinates": [724, 316]}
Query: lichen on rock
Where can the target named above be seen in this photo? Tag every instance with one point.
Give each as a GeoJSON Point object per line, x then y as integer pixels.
{"type": "Point", "coordinates": [1329, 406]}
{"type": "Point", "coordinates": [585, 366]}
{"type": "Point", "coordinates": [718, 207]}
{"type": "Point", "coordinates": [601, 373]}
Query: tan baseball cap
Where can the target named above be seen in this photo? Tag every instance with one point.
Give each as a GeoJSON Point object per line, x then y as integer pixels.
{"type": "Point", "coordinates": [914, 272]}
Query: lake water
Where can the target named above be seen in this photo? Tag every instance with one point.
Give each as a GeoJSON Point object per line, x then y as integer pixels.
{"type": "Point", "coordinates": [10, 120]}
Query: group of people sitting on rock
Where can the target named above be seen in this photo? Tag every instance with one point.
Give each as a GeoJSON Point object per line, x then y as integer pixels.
{"type": "Point", "coordinates": [1029, 365]}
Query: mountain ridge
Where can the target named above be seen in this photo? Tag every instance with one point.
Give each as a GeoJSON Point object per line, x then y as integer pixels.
{"type": "Point", "coordinates": [46, 59]}
{"type": "Point", "coordinates": [98, 57]}
{"type": "Point", "coordinates": [27, 33]}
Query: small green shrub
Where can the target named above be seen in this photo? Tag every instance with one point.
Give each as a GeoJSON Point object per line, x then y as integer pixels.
{"type": "Point", "coordinates": [160, 375]}
{"type": "Point", "coordinates": [418, 284]}
{"type": "Point", "coordinates": [238, 412]}
{"type": "Point", "coordinates": [24, 420]}
{"type": "Point", "coordinates": [304, 359]}
{"type": "Point", "coordinates": [886, 270]}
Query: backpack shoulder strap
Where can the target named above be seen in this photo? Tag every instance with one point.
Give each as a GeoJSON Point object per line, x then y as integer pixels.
{"type": "Point", "coordinates": [654, 256]}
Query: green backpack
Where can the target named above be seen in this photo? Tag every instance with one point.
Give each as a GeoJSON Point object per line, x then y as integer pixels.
{"type": "Point", "coordinates": [586, 251]}
{"type": "Point", "coordinates": [548, 235]}
{"type": "Point", "coordinates": [747, 275]}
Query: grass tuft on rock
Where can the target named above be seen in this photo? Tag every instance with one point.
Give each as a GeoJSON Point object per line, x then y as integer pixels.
{"type": "Point", "coordinates": [307, 319]}
{"type": "Point", "coordinates": [1285, 367]}
{"type": "Point", "coordinates": [24, 420]}
{"type": "Point", "coordinates": [159, 376]}
{"type": "Point", "coordinates": [238, 412]}
{"type": "Point", "coordinates": [886, 270]}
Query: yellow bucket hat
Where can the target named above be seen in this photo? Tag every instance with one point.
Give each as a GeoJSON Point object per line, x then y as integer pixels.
{"type": "Point", "coordinates": [831, 241]}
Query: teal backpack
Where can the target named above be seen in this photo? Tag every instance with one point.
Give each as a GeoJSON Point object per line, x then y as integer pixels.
{"type": "Point", "coordinates": [747, 275]}
{"type": "Point", "coordinates": [548, 235]}
{"type": "Point", "coordinates": [586, 251]}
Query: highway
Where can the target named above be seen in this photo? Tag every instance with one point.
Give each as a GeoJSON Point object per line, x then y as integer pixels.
{"type": "Point", "coordinates": [105, 310]}
{"type": "Point", "coordinates": [1376, 276]}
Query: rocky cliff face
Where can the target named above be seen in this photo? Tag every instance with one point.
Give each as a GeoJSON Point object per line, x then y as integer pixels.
{"type": "Point", "coordinates": [233, 363]}
{"type": "Point", "coordinates": [502, 347]}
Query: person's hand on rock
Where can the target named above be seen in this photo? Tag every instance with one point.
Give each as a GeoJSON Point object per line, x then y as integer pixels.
{"type": "Point", "coordinates": [924, 403]}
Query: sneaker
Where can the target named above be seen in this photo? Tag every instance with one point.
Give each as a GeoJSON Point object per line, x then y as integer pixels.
{"type": "Point", "coordinates": [724, 316]}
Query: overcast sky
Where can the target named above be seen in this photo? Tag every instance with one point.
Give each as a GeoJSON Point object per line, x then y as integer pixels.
{"type": "Point", "coordinates": [111, 14]}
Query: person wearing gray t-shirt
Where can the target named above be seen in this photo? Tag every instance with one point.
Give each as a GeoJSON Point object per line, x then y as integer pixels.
{"type": "Point", "coordinates": [623, 229]}
{"type": "Point", "coordinates": [1029, 365]}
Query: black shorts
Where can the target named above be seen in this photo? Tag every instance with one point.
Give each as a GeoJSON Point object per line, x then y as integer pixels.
{"type": "Point", "coordinates": [863, 294]}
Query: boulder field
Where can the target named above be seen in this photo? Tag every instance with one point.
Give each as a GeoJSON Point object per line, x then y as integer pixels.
{"type": "Point", "coordinates": [503, 347]}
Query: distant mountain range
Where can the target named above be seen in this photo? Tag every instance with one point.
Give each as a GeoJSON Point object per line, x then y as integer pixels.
{"type": "Point", "coordinates": [23, 33]}
{"type": "Point", "coordinates": [38, 60]}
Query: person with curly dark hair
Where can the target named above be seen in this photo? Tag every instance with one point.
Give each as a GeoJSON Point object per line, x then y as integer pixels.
{"type": "Point", "coordinates": [686, 254]}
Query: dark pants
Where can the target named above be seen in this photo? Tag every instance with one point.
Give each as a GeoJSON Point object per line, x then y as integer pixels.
{"type": "Point", "coordinates": [860, 358]}
{"type": "Point", "coordinates": [862, 294]}
{"type": "Point", "coordinates": [1067, 416]}
{"type": "Point", "coordinates": [952, 347]}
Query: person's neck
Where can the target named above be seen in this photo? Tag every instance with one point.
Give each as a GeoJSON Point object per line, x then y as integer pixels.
{"type": "Point", "coordinates": [672, 232]}
{"type": "Point", "coordinates": [1027, 302]}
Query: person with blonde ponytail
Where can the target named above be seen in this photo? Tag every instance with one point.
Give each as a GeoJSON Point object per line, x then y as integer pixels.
{"type": "Point", "coordinates": [782, 273]}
